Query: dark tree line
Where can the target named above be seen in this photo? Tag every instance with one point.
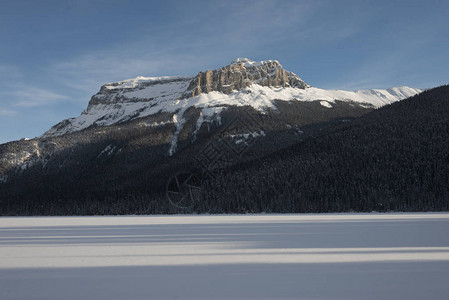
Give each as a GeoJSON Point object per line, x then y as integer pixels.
{"type": "Point", "coordinates": [395, 158]}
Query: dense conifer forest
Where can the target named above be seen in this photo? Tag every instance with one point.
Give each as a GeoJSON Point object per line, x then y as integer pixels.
{"type": "Point", "coordinates": [395, 158]}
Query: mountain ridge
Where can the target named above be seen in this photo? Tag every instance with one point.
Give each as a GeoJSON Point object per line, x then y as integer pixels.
{"type": "Point", "coordinates": [243, 82]}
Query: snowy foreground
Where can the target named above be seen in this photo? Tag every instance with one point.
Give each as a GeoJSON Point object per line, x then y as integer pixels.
{"type": "Point", "coordinates": [330, 256]}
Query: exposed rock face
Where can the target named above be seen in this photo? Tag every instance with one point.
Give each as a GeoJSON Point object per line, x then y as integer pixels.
{"type": "Point", "coordinates": [241, 73]}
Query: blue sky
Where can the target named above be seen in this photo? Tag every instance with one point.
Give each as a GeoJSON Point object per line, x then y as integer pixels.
{"type": "Point", "coordinates": [54, 55]}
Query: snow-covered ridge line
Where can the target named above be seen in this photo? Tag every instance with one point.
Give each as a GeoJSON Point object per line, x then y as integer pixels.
{"type": "Point", "coordinates": [144, 96]}
{"type": "Point", "coordinates": [250, 63]}
{"type": "Point", "coordinates": [139, 80]}
{"type": "Point", "coordinates": [258, 97]}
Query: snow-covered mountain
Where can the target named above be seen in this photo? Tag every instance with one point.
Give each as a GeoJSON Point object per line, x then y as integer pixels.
{"type": "Point", "coordinates": [166, 123]}
{"type": "Point", "coordinates": [136, 135]}
{"type": "Point", "coordinates": [242, 83]}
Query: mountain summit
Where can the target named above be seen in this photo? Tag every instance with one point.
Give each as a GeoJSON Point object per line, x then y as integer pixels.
{"type": "Point", "coordinates": [241, 73]}
{"type": "Point", "coordinates": [257, 84]}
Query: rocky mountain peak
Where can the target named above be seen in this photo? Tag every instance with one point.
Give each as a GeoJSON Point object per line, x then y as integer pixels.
{"type": "Point", "coordinates": [241, 73]}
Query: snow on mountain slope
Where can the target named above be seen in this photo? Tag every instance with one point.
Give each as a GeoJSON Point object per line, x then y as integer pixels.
{"type": "Point", "coordinates": [143, 96]}
{"type": "Point", "coordinates": [125, 100]}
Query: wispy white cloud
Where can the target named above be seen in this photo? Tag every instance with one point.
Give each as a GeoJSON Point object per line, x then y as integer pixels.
{"type": "Point", "coordinates": [252, 28]}
{"type": "Point", "coordinates": [36, 97]}
{"type": "Point", "coordinates": [7, 112]}
{"type": "Point", "coordinates": [116, 65]}
{"type": "Point", "coordinates": [273, 22]}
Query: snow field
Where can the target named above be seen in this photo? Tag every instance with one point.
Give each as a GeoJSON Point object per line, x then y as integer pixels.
{"type": "Point", "coordinates": [328, 256]}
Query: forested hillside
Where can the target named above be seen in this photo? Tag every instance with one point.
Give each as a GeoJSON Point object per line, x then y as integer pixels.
{"type": "Point", "coordinates": [395, 158]}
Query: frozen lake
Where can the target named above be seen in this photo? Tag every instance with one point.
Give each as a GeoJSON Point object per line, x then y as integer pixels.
{"type": "Point", "coordinates": [328, 256]}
